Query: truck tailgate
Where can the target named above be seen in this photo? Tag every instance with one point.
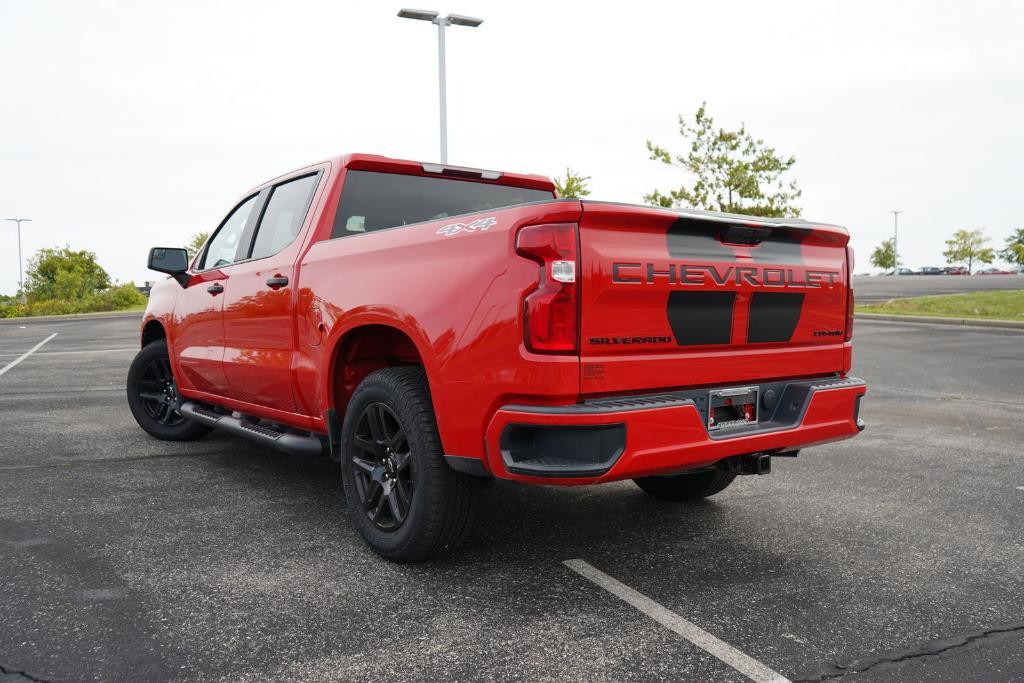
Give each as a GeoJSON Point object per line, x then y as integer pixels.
{"type": "Point", "coordinates": [688, 299]}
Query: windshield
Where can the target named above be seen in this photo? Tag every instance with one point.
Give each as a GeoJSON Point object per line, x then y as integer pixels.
{"type": "Point", "coordinates": [373, 201]}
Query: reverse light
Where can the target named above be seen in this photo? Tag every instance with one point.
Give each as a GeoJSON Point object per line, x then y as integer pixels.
{"type": "Point", "coordinates": [551, 311]}
{"type": "Point", "coordinates": [563, 271]}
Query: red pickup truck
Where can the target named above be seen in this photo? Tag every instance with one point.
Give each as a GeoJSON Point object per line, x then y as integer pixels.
{"type": "Point", "coordinates": [431, 327]}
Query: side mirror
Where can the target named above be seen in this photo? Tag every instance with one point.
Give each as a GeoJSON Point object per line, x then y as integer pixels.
{"type": "Point", "coordinates": [169, 260]}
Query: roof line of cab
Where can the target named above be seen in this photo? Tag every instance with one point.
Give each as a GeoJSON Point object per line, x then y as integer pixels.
{"type": "Point", "coordinates": [376, 162]}
{"type": "Point", "coordinates": [382, 164]}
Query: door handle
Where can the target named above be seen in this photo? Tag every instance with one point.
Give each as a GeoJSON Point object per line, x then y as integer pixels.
{"type": "Point", "coordinates": [215, 289]}
{"type": "Point", "coordinates": [277, 281]}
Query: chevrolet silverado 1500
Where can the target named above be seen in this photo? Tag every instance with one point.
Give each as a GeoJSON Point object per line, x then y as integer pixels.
{"type": "Point", "coordinates": [430, 327]}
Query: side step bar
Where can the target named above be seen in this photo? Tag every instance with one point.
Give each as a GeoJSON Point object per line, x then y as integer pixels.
{"type": "Point", "coordinates": [286, 442]}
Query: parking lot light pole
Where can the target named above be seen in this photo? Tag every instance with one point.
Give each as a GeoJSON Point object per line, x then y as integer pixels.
{"type": "Point", "coordinates": [895, 242]}
{"type": "Point", "coordinates": [21, 276]}
{"type": "Point", "coordinates": [441, 22]}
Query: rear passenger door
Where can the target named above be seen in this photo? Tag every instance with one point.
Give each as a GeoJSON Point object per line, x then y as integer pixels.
{"type": "Point", "coordinates": [259, 307]}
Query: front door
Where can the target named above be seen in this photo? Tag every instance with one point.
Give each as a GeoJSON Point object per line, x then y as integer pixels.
{"type": "Point", "coordinates": [259, 309]}
{"type": "Point", "coordinates": [198, 311]}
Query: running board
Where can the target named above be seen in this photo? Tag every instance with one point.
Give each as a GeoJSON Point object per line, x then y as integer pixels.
{"type": "Point", "coordinates": [286, 442]}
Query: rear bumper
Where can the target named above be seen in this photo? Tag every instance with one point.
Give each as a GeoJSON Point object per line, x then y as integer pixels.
{"type": "Point", "coordinates": [610, 439]}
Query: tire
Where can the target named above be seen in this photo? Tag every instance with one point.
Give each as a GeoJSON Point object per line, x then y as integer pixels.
{"type": "Point", "coordinates": [152, 393]}
{"type": "Point", "coordinates": [403, 498]}
{"type": "Point", "coordinates": [683, 487]}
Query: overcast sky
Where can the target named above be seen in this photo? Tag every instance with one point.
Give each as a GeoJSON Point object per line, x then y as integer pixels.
{"type": "Point", "coordinates": [125, 125]}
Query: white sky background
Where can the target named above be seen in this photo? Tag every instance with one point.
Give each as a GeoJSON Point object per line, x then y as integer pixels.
{"type": "Point", "coordinates": [125, 125]}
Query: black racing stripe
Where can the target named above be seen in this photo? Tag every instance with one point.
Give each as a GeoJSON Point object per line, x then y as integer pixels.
{"type": "Point", "coordinates": [701, 317]}
{"type": "Point", "coordinates": [782, 248]}
{"type": "Point", "coordinates": [706, 241]}
{"type": "Point", "coordinates": [697, 240]}
{"type": "Point", "coordinates": [773, 316]}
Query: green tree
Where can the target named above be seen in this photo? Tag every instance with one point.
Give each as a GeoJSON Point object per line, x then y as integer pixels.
{"type": "Point", "coordinates": [63, 273]}
{"type": "Point", "coordinates": [968, 246]}
{"type": "Point", "coordinates": [884, 255]}
{"type": "Point", "coordinates": [732, 171]}
{"type": "Point", "coordinates": [196, 243]}
{"type": "Point", "coordinates": [574, 186]}
{"type": "Point", "coordinates": [1014, 251]}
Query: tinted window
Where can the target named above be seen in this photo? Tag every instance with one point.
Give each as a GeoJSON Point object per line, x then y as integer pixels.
{"type": "Point", "coordinates": [283, 216]}
{"type": "Point", "coordinates": [222, 248]}
{"type": "Point", "coordinates": [373, 201]}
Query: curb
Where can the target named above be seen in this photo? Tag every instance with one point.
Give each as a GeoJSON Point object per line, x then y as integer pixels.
{"type": "Point", "coordinates": [962, 322]}
{"type": "Point", "coordinates": [72, 316]}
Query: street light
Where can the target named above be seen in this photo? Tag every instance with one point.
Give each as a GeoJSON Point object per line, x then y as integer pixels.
{"type": "Point", "coordinates": [895, 242]}
{"type": "Point", "coordinates": [450, 20]}
{"type": "Point", "coordinates": [21, 281]}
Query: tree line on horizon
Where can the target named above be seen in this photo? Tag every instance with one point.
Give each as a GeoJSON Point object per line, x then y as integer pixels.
{"type": "Point", "coordinates": [967, 247]}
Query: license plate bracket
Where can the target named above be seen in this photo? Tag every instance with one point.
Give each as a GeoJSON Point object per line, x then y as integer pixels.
{"type": "Point", "coordinates": [732, 407]}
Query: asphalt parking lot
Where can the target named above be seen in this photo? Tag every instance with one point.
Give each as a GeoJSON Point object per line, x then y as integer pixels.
{"type": "Point", "coordinates": [885, 287]}
{"type": "Point", "coordinates": [896, 556]}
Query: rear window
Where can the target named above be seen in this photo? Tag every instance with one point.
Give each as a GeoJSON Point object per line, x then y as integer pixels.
{"type": "Point", "coordinates": [374, 201]}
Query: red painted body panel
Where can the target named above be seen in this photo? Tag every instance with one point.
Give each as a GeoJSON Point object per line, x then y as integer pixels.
{"type": "Point", "coordinates": [666, 440]}
{"type": "Point", "coordinates": [259, 335]}
{"type": "Point", "coordinates": [198, 333]}
{"type": "Point", "coordinates": [457, 300]}
{"type": "Point", "coordinates": [631, 234]}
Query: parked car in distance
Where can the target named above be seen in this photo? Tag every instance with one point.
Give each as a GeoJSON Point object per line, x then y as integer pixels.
{"type": "Point", "coordinates": [931, 270]}
{"type": "Point", "coordinates": [995, 271]}
{"type": "Point", "coordinates": [956, 270]}
{"type": "Point", "coordinates": [432, 327]}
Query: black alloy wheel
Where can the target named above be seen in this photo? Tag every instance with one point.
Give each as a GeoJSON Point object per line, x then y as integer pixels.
{"type": "Point", "coordinates": [153, 396]}
{"type": "Point", "coordinates": [382, 467]}
{"type": "Point", "coordinates": [158, 394]}
{"type": "Point", "coordinates": [402, 496]}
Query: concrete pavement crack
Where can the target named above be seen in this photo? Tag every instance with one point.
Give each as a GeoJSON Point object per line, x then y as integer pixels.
{"type": "Point", "coordinates": [7, 671]}
{"type": "Point", "coordinates": [933, 648]}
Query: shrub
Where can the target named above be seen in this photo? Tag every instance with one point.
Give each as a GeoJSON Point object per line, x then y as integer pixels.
{"type": "Point", "coordinates": [114, 298]}
{"type": "Point", "coordinates": [124, 296]}
{"type": "Point", "coordinates": [13, 311]}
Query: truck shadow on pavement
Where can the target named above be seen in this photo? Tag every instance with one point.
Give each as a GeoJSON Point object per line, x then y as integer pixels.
{"type": "Point", "coordinates": [530, 525]}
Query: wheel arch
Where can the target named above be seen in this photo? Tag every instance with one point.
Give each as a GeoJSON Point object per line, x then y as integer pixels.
{"type": "Point", "coordinates": [364, 348]}
{"type": "Point", "coordinates": [153, 330]}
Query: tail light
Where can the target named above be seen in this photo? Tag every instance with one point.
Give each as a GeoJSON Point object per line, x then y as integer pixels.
{"type": "Point", "coordinates": [849, 294]}
{"type": "Point", "coordinates": [551, 311]}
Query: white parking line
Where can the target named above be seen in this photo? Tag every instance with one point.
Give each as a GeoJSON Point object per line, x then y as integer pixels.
{"type": "Point", "coordinates": [1020, 488]}
{"type": "Point", "coordinates": [123, 349]}
{"type": "Point", "coordinates": [748, 666]}
{"type": "Point", "coordinates": [26, 354]}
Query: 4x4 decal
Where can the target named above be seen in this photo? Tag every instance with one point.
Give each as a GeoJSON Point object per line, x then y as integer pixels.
{"type": "Point", "coordinates": [478, 224]}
